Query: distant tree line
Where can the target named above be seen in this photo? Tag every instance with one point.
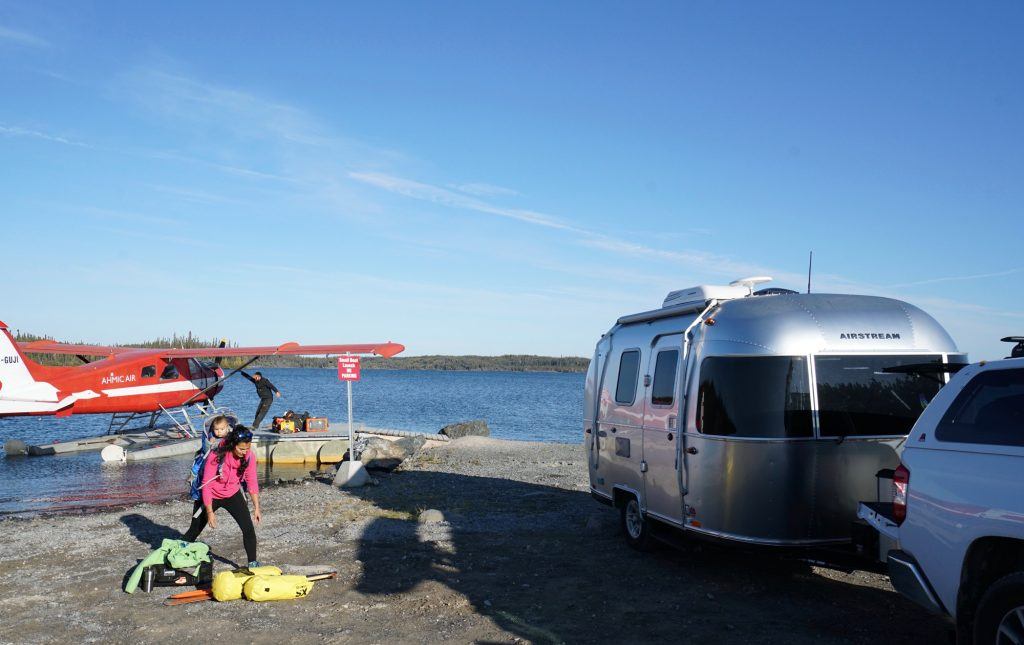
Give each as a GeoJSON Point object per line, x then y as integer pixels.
{"type": "Point", "coordinates": [505, 363]}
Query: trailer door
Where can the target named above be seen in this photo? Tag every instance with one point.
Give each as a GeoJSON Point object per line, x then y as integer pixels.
{"type": "Point", "coordinates": [661, 430]}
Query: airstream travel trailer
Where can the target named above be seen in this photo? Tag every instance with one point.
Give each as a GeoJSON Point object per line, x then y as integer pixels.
{"type": "Point", "coordinates": [759, 417]}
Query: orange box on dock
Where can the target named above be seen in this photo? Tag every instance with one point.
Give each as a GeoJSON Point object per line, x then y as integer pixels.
{"type": "Point", "coordinates": [317, 424]}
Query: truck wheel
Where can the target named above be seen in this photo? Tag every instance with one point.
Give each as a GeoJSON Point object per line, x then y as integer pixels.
{"type": "Point", "coordinates": [635, 526]}
{"type": "Point", "coordinates": [1000, 615]}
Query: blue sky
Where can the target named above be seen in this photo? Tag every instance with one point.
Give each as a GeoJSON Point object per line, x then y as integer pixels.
{"type": "Point", "coordinates": [485, 177]}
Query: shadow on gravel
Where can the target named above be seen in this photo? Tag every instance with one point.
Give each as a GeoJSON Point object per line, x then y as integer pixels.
{"type": "Point", "coordinates": [153, 534]}
{"type": "Point", "coordinates": [147, 531]}
{"type": "Point", "coordinates": [549, 565]}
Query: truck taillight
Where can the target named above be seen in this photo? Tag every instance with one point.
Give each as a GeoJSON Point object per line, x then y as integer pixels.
{"type": "Point", "coordinates": [900, 489]}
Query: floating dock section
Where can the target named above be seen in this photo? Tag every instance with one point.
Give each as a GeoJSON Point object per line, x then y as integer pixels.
{"type": "Point", "coordinates": [321, 447]}
{"type": "Point", "coordinates": [127, 441]}
{"type": "Point", "coordinates": [295, 448]}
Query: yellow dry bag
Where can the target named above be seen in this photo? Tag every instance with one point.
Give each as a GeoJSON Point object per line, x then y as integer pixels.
{"type": "Point", "coordinates": [260, 588]}
{"type": "Point", "coordinates": [227, 585]}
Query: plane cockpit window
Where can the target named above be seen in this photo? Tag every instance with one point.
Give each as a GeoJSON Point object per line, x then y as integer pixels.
{"type": "Point", "coordinates": [170, 372]}
{"type": "Point", "coordinates": [149, 371]}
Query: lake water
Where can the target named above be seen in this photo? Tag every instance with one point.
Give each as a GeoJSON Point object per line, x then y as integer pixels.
{"type": "Point", "coordinates": [516, 405]}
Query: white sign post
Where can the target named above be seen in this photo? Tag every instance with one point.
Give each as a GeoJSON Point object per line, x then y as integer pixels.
{"type": "Point", "coordinates": [348, 371]}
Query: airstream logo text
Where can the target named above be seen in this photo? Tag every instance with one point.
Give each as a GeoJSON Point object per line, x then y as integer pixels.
{"type": "Point", "coordinates": [860, 336]}
{"type": "Point", "coordinates": [118, 378]}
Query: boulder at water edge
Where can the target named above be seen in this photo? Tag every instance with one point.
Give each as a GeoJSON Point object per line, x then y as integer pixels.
{"type": "Point", "coordinates": [411, 445]}
{"type": "Point", "coordinates": [474, 428]}
{"type": "Point", "coordinates": [381, 454]}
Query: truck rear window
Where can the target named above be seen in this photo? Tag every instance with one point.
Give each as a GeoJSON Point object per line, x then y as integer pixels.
{"type": "Point", "coordinates": [754, 396]}
{"type": "Point", "coordinates": [857, 398]}
{"type": "Point", "coordinates": [989, 410]}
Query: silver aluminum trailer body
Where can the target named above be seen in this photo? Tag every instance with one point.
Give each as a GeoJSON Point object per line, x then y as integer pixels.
{"type": "Point", "coordinates": [761, 419]}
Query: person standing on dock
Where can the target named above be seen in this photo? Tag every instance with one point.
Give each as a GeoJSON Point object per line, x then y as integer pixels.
{"type": "Point", "coordinates": [266, 391]}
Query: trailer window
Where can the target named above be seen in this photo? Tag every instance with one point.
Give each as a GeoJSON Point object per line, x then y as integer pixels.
{"type": "Point", "coordinates": [857, 398]}
{"type": "Point", "coordinates": [754, 396]}
{"type": "Point", "coordinates": [629, 369]}
{"type": "Point", "coordinates": [663, 392]}
{"type": "Point", "coordinates": [989, 410]}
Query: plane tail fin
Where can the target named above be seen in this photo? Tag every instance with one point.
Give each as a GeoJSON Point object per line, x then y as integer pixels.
{"type": "Point", "coordinates": [15, 368]}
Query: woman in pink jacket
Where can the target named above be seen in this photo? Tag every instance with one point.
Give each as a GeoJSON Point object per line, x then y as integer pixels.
{"type": "Point", "coordinates": [227, 470]}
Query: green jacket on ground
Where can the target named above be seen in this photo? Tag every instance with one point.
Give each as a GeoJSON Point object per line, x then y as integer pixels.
{"type": "Point", "coordinates": [176, 553]}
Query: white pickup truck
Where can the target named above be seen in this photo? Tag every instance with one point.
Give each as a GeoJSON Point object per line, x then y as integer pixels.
{"type": "Point", "coordinates": [953, 534]}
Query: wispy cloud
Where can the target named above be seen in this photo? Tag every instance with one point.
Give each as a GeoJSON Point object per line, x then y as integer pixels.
{"type": "Point", "coordinates": [445, 197]}
{"type": "Point", "coordinates": [700, 261]}
{"type": "Point", "coordinates": [225, 112]}
{"type": "Point", "coordinates": [960, 278]}
{"type": "Point", "coordinates": [16, 131]}
{"type": "Point", "coordinates": [961, 307]}
{"type": "Point", "coordinates": [246, 115]}
{"type": "Point", "coordinates": [197, 196]}
{"type": "Point", "coordinates": [22, 38]}
{"type": "Point", "coordinates": [173, 240]}
{"type": "Point", "coordinates": [126, 216]}
{"type": "Point", "coordinates": [484, 190]}
{"type": "Point", "coordinates": [239, 171]}
{"type": "Point", "coordinates": [253, 136]}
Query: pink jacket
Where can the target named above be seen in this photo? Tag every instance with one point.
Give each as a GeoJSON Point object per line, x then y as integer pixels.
{"type": "Point", "coordinates": [229, 482]}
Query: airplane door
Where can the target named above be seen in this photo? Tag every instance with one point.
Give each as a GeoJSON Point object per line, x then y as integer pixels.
{"type": "Point", "coordinates": [661, 438]}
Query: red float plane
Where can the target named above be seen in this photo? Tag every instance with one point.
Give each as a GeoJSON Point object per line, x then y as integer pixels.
{"type": "Point", "coordinates": [129, 379]}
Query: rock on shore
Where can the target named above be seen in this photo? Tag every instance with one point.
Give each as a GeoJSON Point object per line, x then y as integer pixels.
{"type": "Point", "coordinates": [475, 428]}
{"type": "Point", "coordinates": [377, 453]}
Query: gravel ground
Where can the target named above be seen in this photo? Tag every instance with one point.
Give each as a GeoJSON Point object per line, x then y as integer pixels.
{"type": "Point", "coordinates": [523, 555]}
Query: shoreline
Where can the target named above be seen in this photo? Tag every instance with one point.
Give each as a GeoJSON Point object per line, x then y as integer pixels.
{"type": "Point", "coordinates": [290, 476]}
{"type": "Point", "coordinates": [522, 554]}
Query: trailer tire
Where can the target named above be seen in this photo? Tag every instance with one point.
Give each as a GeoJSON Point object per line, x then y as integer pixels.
{"type": "Point", "coordinates": [635, 526]}
{"type": "Point", "coordinates": [1002, 606]}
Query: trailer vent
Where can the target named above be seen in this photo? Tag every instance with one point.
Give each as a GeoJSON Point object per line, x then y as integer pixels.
{"type": "Point", "coordinates": [701, 294]}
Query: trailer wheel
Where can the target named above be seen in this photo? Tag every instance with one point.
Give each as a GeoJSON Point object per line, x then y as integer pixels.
{"type": "Point", "coordinates": [635, 526]}
{"type": "Point", "coordinates": [1000, 615]}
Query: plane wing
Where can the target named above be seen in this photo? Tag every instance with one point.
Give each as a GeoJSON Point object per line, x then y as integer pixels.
{"type": "Point", "coordinates": [53, 347]}
{"type": "Point", "coordinates": [386, 350]}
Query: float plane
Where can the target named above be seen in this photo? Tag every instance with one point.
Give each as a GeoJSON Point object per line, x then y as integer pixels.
{"type": "Point", "coordinates": [130, 380]}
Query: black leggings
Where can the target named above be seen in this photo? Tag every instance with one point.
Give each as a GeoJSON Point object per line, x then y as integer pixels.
{"type": "Point", "coordinates": [261, 412]}
{"type": "Point", "coordinates": [238, 509]}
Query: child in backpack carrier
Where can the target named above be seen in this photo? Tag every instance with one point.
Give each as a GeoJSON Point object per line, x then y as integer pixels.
{"type": "Point", "coordinates": [216, 429]}
{"type": "Point", "coordinates": [228, 469]}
